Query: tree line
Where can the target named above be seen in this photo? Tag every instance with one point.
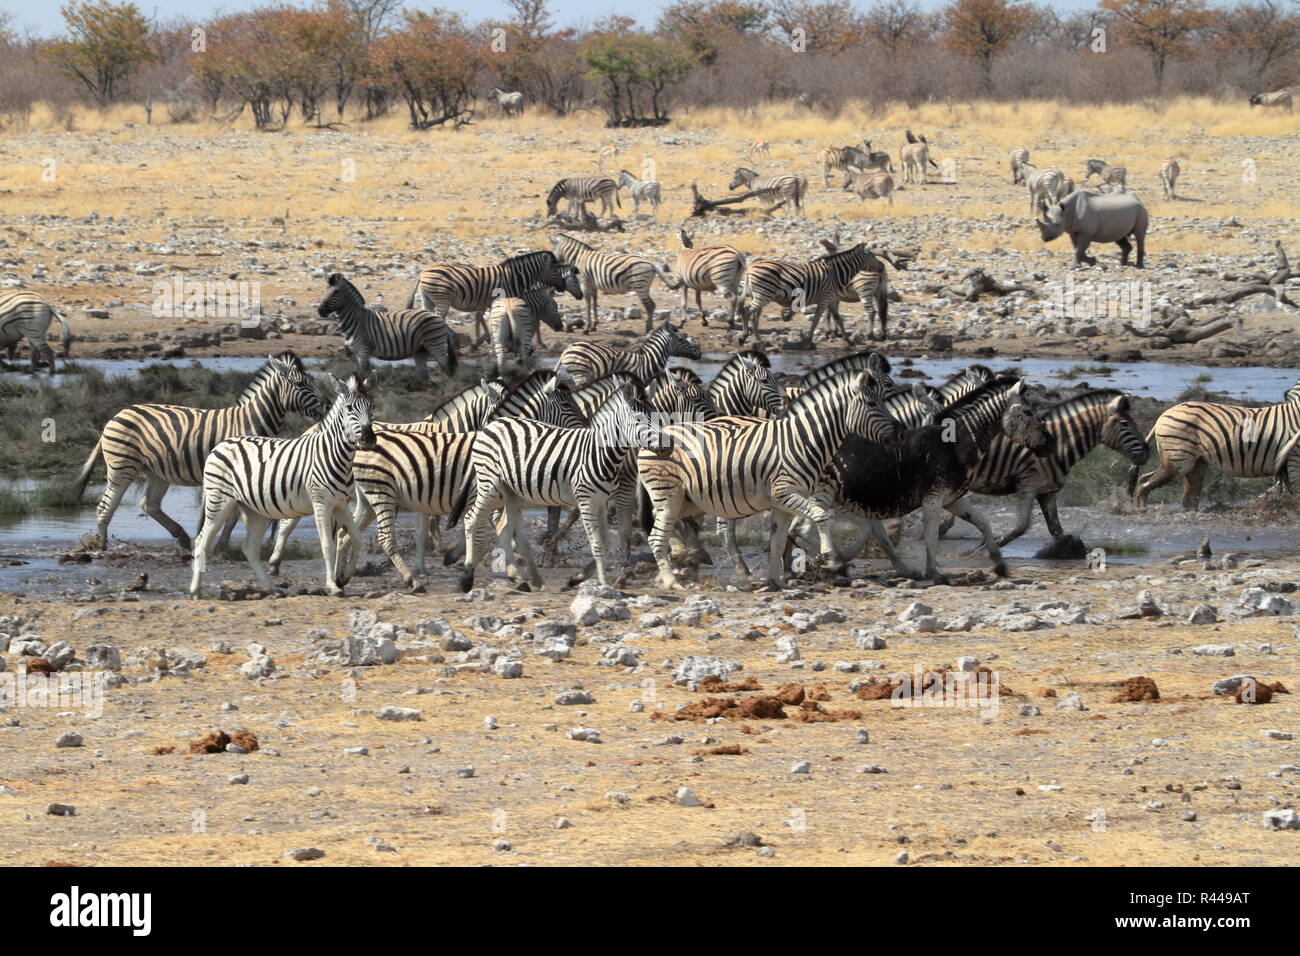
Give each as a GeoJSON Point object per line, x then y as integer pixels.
{"type": "Point", "coordinates": [335, 60]}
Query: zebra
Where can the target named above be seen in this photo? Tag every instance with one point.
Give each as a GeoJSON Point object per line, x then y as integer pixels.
{"type": "Point", "coordinates": [641, 190]}
{"type": "Point", "coordinates": [1276, 98]}
{"type": "Point", "coordinates": [842, 157]}
{"type": "Point", "coordinates": [580, 190]}
{"type": "Point", "coordinates": [1019, 157]}
{"type": "Point", "coordinates": [1117, 175]}
{"type": "Point", "coordinates": [681, 395]}
{"type": "Point", "coordinates": [916, 162]}
{"type": "Point", "coordinates": [1237, 441]}
{"type": "Point", "coordinates": [870, 287]}
{"type": "Point", "coordinates": [519, 462]}
{"type": "Point", "coordinates": [1045, 187]}
{"type": "Point", "coordinates": [784, 188]}
{"type": "Point", "coordinates": [746, 386]}
{"type": "Point", "coordinates": [276, 478]}
{"type": "Point", "coordinates": [962, 383]}
{"type": "Point", "coordinates": [473, 288]}
{"type": "Point", "coordinates": [869, 184]}
{"type": "Point", "coordinates": [1076, 426]}
{"type": "Point", "coordinates": [26, 315]}
{"type": "Point", "coordinates": [811, 286]}
{"type": "Point", "coordinates": [607, 272]}
{"type": "Point", "coordinates": [588, 361]}
{"type": "Point", "coordinates": [462, 412]}
{"type": "Point", "coordinates": [929, 467]}
{"type": "Point", "coordinates": [737, 467]}
{"type": "Point", "coordinates": [168, 444]}
{"type": "Point", "coordinates": [408, 333]}
{"type": "Point", "coordinates": [1169, 173]}
{"type": "Point", "coordinates": [511, 104]}
{"type": "Point", "coordinates": [710, 269]}
{"type": "Point", "coordinates": [518, 320]}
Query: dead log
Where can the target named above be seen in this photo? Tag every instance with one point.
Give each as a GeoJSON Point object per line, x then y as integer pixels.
{"type": "Point", "coordinates": [977, 283]}
{"type": "Point", "coordinates": [1182, 329]}
{"type": "Point", "coordinates": [701, 207]}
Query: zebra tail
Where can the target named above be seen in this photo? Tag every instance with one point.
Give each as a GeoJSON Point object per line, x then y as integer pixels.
{"type": "Point", "coordinates": [462, 500]}
{"type": "Point", "coordinates": [83, 479]}
{"type": "Point", "coordinates": [453, 357]}
{"type": "Point", "coordinates": [67, 334]}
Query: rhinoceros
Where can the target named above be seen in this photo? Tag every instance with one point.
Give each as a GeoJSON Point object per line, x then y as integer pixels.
{"type": "Point", "coordinates": [1090, 217]}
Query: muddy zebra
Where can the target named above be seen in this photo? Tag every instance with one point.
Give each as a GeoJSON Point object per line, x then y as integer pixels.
{"type": "Point", "coordinates": [25, 315]}
{"type": "Point", "coordinates": [265, 479]}
{"type": "Point", "coordinates": [1076, 426]}
{"type": "Point", "coordinates": [709, 269]}
{"type": "Point", "coordinates": [577, 191]}
{"type": "Point", "coordinates": [1169, 173]}
{"type": "Point", "coordinates": [784, 188]}
{"type": "Point", "coordinates": [473, 288]}
{"type": "Point", "coordinates": [736, 467]}
{"type": "Point", "coordinates": [1192, 437]}
{"type": "Point", "coordinates": [518, 462]}
{"type": "Point", "coordinates": [416, 334]}
{"type": "Point", "coordinates": [168, 444]}
{"type": "Point", "coordinates": [929, 468]}
{"type": "Point", "coordinates": [588, 361]}
{"type": "Point", "coordinates": [1019, 158]}
{"type": "Point", "coordinates": [607, 272]}
{"type": "Point", "coordinates": [641, 190]}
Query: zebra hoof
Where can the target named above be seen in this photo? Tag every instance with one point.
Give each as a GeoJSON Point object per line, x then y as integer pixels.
{"type": "Point", "coordinates": [523, 587]}
{"type": "Point", "coordinates": [466, 580]}
{"type": "Point", "coordinates": [1000, 569]}
{"type": "Point", "coordinates": [416, 588]}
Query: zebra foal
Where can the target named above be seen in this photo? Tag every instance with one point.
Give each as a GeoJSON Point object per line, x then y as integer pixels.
{"type": "Point", "coordinates": [577, 191]}
{"type": "Point", "coordinates": [641, 190]}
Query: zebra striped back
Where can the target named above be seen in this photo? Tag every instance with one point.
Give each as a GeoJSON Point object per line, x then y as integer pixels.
{"type": "Point", "coordinates": [912, 407]}
{"type": "Point", "coordinates": [679, 394]}
{"type": "Point", "coordinates": [784, 187]}
{"type": "Point", "coordinates": [1243, 442]}
{"type": "Point", "coordinates": [1292, 394]}
{"type": "Point", "coordinates": [467, 409]}
{"type": "Point", "coordinates": [857, 362]}
{"type": "Point", "coordinates": [745, 385]}
{"type": "Point", "coordinates": [472, 288]}
{"type": "Point", "coordinates": [26, 315]}
{"type": "Point", "coordinates": [588, 361]}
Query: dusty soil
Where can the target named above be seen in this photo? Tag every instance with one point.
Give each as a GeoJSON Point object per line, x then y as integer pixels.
{"type": "Point", "coordinates": [948, 785]}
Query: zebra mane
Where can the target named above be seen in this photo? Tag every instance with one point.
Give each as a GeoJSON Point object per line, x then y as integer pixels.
{"type": "Point", "coordinates": [338, 281]}
{"type": "Point", "coordinates": [1091, 399]}
{"type": "Point", "coordinates": [976, 397]}
{"type": "Point", "coordinates": [758, 355]}
{"type": "Point", "coordinates": [266, 372]}
{"type": "Point", "coordinates": [578, 242]}
{"type": "Point", "coordinates": [463, 395]}
{"type": "Point", "coordinates": [857, 362]}
{"type": "Point", "coordinates": [532, 383]}
{"type": "Point", "coordinates": [527, 257]}
{"type": "Point", "coordinates": [814, 393]}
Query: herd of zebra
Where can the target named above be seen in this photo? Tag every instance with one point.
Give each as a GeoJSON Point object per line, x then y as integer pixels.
{"type": "Point", "coordinates": [621, 430]}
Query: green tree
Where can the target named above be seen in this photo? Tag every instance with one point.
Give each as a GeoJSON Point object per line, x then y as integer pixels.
{"type": "Point", "coordinates": [107, 42]}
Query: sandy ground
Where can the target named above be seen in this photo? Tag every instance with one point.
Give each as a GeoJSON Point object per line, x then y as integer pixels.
{"type": "Point", "coordinates": [961, 785]}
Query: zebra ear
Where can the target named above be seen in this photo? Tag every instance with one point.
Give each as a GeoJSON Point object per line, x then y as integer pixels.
{"type": "Point", "coordinates": [1018, 390]}
{"type": "Point", "coordinates": [371, 380]}
{"type": "Point", "coordinates": [878, 365]}
{"type": "Point", "coordinates": [1119, 405]}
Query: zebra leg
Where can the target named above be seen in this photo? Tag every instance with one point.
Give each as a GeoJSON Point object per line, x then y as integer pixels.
{"type": "Point", "coordinates": [876, 529]}
{"type": "Point", "coordinates": [363, 364]}
{"type": "Point", "coordinates": [1047, 504]}
{"type": "Point", "coordinates": [255, 527]}
{"type": "Point", "coordinates": [1024, 516]}
{"type": "Point", "coordinates": [595, 521]}
{"type": "Point", "coordinates": [423, 524]}
{"type": "Point", "coordinates": [421, 364]}
{"type": "Point", "coordinates": [151, 503]}
{"type": "Point", "coordinates": [477, 513]}
{"type": "Point", "coordinates": [281, 542]}
{"type": "Point", "coordinates": [733, 549]}
{"type": "Point", "coordinates": [108, 502]}
{"type": "Point", "coordinates": [648, 304]}
{"type": "Point", "coordinates": [324, 514]}
{"type": "Point", "coordinates": [509, 534]}
{"type": "Point", "coordinates": [216, 513]}
{"type": "Point", "coordinates": [963, 509]}
{"type": "Point", "coordinates": [931, 511]}
{"type": "Point", "coordinates": [350, 547]}
{"type": "Point", "coordinates": [348, 543]}
{"type": "Point", "coordinates": [1192, 482]}
{"type": "Point", "coordinates": [223, 539]}
{"type": "Point", "coordinates": [665, 516]}
{"type": "Point", "coordinates": [1152, 480]}
{"type": "Point", "coordinates": [776, 547]}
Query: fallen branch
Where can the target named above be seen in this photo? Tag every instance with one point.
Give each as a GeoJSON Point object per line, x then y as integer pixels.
{"type": "Point", "coordinates": [1183, 329]}
{"type": "Point", "coordinates": [977, 283]}
{"type": "Point", "coordinates": [701, 207]}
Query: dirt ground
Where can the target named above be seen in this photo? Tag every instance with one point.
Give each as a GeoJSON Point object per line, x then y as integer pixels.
{"type": "Point", "coordinates": [956, 785]}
